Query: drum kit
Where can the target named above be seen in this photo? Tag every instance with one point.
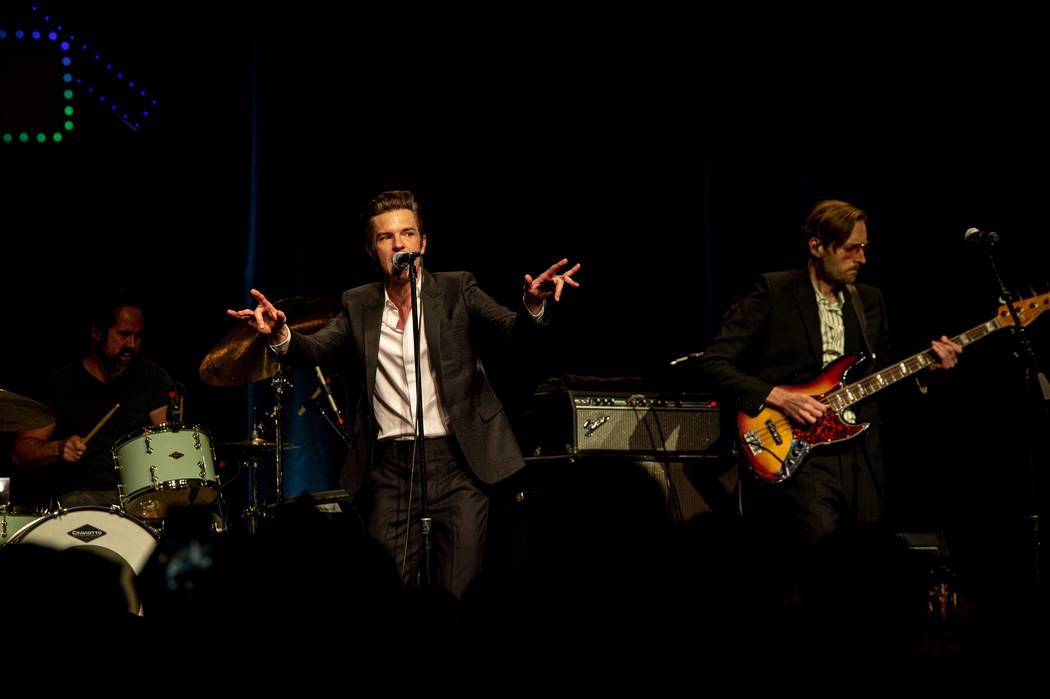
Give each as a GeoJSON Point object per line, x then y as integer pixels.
{"type": "Point", "coordinates": [164, 466]}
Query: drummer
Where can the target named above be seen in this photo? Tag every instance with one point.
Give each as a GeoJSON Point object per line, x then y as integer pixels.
{"type": "Point", "coordinates": [74, 451]}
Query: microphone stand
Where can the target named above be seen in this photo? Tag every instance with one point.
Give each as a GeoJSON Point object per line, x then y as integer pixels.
{"type": "Point", "coordinates": [340, 429]}
{"type": "Point", "coordinates": [1034, 378]}
{"type": "Point", "coordinates": [424, 503]}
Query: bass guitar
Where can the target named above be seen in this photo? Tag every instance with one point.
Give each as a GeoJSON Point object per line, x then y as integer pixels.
{"type": "Point", "coordinates": [774, 446]}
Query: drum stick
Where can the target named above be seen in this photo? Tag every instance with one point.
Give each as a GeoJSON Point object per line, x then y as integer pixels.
{"type": "Point", "coordinates": [101, 422]}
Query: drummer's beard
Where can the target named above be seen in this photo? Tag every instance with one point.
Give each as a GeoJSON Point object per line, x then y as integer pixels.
{"type": "Point", "coordinates": [120, 366]}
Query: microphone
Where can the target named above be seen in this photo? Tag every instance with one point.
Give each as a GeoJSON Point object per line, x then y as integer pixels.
{"type": "Point", "coordinates": [328, 392]}
{"type": "Point", "coordinates": [175, 409]}
{"type": "Point", "coordinates": [979, 237]}
{"type": "Point", "coordinates": [310, 402]}
{"type": "Point", "coordinates": [403, 259]}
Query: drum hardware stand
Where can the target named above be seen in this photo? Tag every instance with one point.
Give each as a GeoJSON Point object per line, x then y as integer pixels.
{"type": "Point", "coordinates": [280, 384]}
{"type": "Point", "coordinates": [256, 510]}
{"type": "Point", "coordinates": [253, 512]}
{"type": "Point", "coordinates": [5, 500]}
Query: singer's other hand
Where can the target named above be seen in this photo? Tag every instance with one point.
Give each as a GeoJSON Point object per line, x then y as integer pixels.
{"type": "Point", "coordinates": [537, 289]}
{"type": "Point", "coordinates": [265, 318]}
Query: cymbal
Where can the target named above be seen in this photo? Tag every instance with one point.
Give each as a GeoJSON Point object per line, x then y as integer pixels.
{"type": "Point", "coordinates": [244, 356]}
{"type": "Point", "coordinates": [19, 413]}
{"type": "Point", "coordinates": [257, 444]}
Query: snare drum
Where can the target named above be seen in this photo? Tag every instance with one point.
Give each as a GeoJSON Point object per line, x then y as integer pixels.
{"type": "Point", "coordinates": [99, 530]}
{"type": "Point", "coordinates": [161, 467]}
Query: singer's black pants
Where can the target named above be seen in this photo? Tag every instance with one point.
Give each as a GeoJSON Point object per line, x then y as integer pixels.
{"type": "Point", "coordinates": [459, 507]}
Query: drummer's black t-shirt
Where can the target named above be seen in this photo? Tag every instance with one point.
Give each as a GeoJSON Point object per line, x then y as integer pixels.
{"type": "Point", "coordinates": [80, 401]}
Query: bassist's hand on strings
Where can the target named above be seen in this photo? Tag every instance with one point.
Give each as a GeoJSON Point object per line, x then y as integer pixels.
{"type": "Point", "coordinates": [797, 406]}
{"type": "Point", "coordinates": [947, 352]}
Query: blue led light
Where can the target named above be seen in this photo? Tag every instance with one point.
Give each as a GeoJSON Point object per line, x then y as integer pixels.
{"type": "Point", "coordinates": [51, 31]}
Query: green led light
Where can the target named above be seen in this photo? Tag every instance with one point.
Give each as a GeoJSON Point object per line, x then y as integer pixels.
{"type": "Point", "coordinates": [41, 137]}
{"type": "Point", "coordinates": [8, 138]}
{"type": "Point", "coordinates": [23, 137]}
{"type": "Point", "coordinates": [57, 137]}
{"type": "Point", "coordinates": [69, 111]}
{"type": "Point", "coordinates": [68, 94]}
{"type": "Point", "coordinates": [68, 125]}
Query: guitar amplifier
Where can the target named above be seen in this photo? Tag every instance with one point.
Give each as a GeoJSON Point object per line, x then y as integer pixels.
{"type": "Point", "coordinates": [592, 422]}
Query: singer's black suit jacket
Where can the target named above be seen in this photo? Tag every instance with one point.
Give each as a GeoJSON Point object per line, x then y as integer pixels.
{"type": "Point", "coordinates": [456, 315]}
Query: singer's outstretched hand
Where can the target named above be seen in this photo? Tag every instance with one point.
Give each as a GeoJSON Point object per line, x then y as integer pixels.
{"type": "Point", "coordinates": [266, 318]}
{"type": "Point", "coordinates": [537, 289]}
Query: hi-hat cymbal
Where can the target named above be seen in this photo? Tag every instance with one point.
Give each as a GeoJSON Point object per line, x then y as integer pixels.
{"type": "Point", "coordinates": [19, 413]}
{"type": "Point", "coordinates": [244, 356]}
{"type": "Point", "coordinates": [257, 444]}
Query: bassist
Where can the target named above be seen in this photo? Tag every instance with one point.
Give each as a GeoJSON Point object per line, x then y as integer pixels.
{"type": "Point", "coordinates": [784, 332]}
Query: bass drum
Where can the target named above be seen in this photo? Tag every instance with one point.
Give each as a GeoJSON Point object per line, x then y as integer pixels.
{"type": "Point", "coordinates": [108, 533]}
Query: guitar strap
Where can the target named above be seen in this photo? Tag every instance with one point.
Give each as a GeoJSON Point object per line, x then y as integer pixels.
{"type": "Point", "coordinates": [862, 319]}
{"type": "Point", "coordinates": [858, 308]}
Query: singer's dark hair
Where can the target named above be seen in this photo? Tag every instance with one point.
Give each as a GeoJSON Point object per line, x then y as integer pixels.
{"type": "Point", "coordinates": [393, 200]}
{"type": "Point", "coordinates": [832, 221]}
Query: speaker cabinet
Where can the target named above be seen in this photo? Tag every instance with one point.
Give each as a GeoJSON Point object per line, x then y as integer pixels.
{"type": "Point", "coordinates": [695, 487]}
{"type": "Point", "coordinates": [661, 426]}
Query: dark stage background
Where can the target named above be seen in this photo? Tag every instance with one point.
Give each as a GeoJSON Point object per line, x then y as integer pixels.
{"type": "Point", "coordinates": [673, 162]}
